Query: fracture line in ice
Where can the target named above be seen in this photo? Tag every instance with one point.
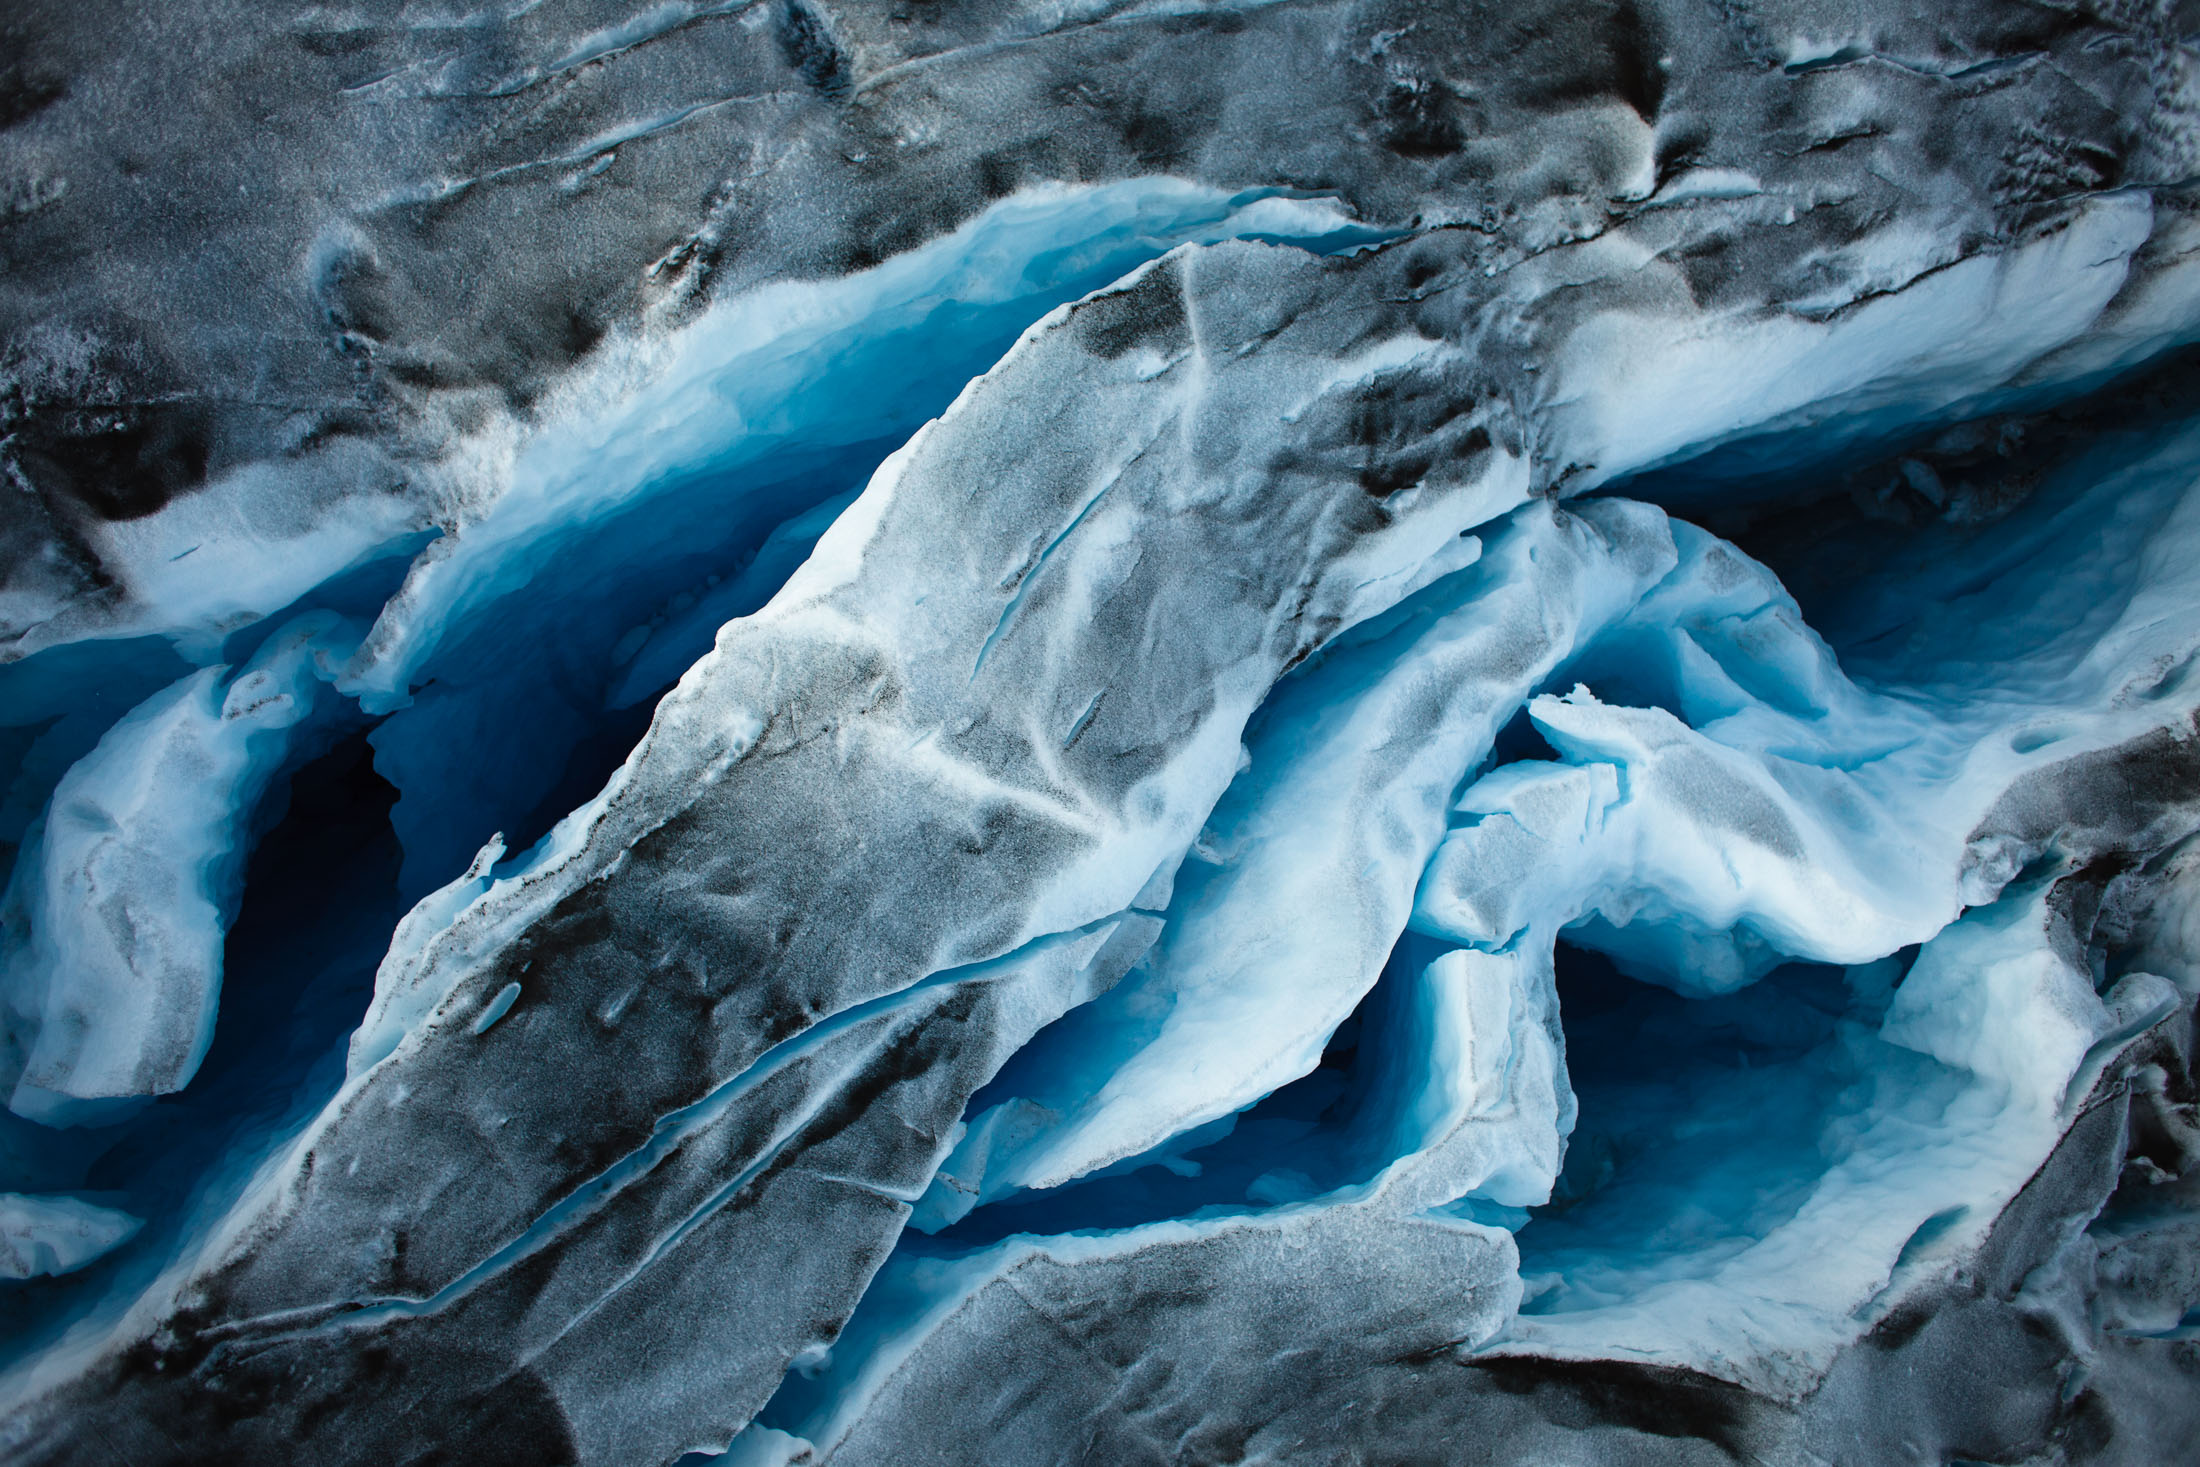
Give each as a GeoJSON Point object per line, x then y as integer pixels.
{"type": "Point", "coordinates": [680, 479]}
{"type": "Point", "coordinates": [1059, 971]}
{"type": "Point", "coordinates": [1308, 866]}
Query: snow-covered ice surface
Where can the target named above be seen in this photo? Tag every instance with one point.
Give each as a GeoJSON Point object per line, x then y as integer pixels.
{"type": "Point", "coordinates": [1365, 731]}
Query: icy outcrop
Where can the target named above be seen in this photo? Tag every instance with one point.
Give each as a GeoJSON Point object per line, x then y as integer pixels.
{"type": "Point", "coordinates": [1947, 339]}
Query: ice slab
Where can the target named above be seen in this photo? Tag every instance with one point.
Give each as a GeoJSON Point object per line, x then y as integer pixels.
{"type": "Point", "coordinates": [116, 915]}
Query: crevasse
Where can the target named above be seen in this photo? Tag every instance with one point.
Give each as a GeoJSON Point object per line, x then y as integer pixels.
{"type": "Point", "coordinates": [1600, 904]}
{"type": "Point", "coordinates": [675, 483]}
{"type": "Point", "coordinates": [1707, 992]}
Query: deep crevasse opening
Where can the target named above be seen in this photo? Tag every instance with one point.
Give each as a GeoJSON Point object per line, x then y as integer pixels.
{"type": "Point", "coordinates": [1754, 1096]}
{"type": "Point", "coordinates": [1703, 1121]}
{"type": "Point", "coordinates": [531, 644]}
{"type": "Point", "coordinates": [675, 484]}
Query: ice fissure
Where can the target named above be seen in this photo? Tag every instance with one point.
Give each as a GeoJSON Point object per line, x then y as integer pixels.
{"type": "Point", "coordinates": [1521, 788]}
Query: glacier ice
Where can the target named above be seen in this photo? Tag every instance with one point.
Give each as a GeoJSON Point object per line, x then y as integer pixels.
{"type": "Point", "coordinates": [1709, 799]}
{"type": "Point", "coordinates": [1137, 733]}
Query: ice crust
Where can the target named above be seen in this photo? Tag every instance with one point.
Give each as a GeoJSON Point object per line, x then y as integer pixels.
{"type": "Point", "coordinates": [1141, 774]}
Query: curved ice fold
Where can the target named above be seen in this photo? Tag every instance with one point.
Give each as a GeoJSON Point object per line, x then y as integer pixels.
{"type": "Point", "coordinates": [1690, 863]}
{"type": "Point", "coordinates": [118, 908]}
